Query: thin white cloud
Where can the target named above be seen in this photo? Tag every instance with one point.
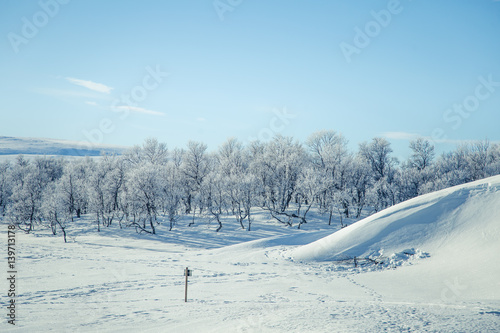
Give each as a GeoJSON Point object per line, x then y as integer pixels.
{"type": "Point", "coordinates": [99, 87]}
{"type": "Point", "coordinates": [91, 103]}
{"type": "Point", "coordinates": [201, 119]}
{"type": "Point", "coordinates": [139, 110]}
{"type": "Point", "coordinates": [70, 93]}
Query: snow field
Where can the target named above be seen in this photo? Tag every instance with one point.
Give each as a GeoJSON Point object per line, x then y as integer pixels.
{"type": "Point", "coordinates": [274, 279]}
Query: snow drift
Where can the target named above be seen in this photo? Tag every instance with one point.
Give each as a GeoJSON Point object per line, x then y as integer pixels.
{"type": "Point", "coordinates": [462, 221]}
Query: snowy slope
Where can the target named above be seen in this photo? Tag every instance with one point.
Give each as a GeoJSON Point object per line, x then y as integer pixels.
{"type": "Point", "coordinates": [464, 218]}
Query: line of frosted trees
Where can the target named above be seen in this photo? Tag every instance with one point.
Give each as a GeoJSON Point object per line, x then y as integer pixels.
{"type": "Point", "coordinates": [149, 184]}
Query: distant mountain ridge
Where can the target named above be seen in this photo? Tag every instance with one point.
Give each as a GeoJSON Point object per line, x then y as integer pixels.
{"type": "Point", "coordinates": [45, 146]}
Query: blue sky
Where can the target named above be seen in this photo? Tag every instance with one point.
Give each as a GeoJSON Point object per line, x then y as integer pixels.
{"type": "Point", "coordinates": [207, 70]}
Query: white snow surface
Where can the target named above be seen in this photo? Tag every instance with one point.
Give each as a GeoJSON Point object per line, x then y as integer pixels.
{"type": "Point", "coordinates": [440, 273]}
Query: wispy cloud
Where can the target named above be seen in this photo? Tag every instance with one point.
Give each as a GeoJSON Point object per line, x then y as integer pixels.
{"type": "Point", "coordinates": [136, 109]}
{"type": "Point", "coordinates": [99, 87]}
{"type": "Point", "coordinates": [201, 119]}
{"type": "Point", "coordinates": [59, 93]}
{"type": "Point", "coordinates": [139, 110]}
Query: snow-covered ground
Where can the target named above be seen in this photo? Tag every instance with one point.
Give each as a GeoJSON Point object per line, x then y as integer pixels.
{"type": "Point", "coordinates": [438, 271]}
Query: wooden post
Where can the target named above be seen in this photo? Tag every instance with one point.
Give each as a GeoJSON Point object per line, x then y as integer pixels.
{"type": "Point", "coordinates": [186, 288]}
{"type": "Point", "coordinates": [187, 273]}
{"type": "Point", "coordinates": [355, 262]}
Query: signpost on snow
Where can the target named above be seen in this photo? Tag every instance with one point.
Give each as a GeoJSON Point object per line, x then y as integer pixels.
{"type": "Point", "coordinates": [187, 273]}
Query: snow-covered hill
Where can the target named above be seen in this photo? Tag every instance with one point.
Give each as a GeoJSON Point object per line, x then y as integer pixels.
{"type": "Point", "coordinates": [464, 220]}
{"type": "Point", "coordinates": [274, 279]}
{"type": "Point", "coordinates": [459, 228]}
{"type": "Point", "coordinates": [44, 146]}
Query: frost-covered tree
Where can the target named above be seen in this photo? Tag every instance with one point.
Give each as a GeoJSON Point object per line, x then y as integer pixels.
{"type": "Point", "coordinates": [151, 151]}
{"type": "Point", "coordinates": [49, 169]}
{"type": "Point", "coordinates": [339, 192]}
{"type": "Point", "coordinates": [377, 154]}
{"type": "Point", "coordinates": [232, 162]}
{"type": "Point", "coordinates": [245, 193]}
{"type": "Point", "coordinates": [418, 170]}
{"type": "Point", "coordinates": [328, 150]}
{"type": "Point", "coordinates": [478, 159]}
{"type": "Point", "coordinates": [195, 166]}
{"type": "Point", "coordinates": [279, 168]}
{"type": "Point", "coordinates": [19, 170]}
{"type": "Point", "coordinates": [230, 157]}
{"type": "Point", "coordinates": [422, 154]}
{"type": "Point", "coordinates": [359, 184]}
{"type": "Point", "coordinates": [5, 186]}
{"type": "Point", "coordinates": [493, 167]}
{"type": "Point", "coordinates": [309, 186]}
{"type": "Point", "coordinates": [148, 185]}
{"type": "Point", "coordinates": [55, 208]}
{"type": "Point", "coordinates": [23, 203]}
{"type": "Point", "coordinates": [72, 186]}
{"type": "Point", "coordinates": [452, 169]}
{"type": "Point", "coordinates": [30, 180]}
{"type": "Point", "coordinates": [144, 185]}
{"type": "Point", "coordinates": [330, 158]}
{"type": "Point", "coordinates": [171, 192]}
{"type": "Point", "coordinates": [410, 182]}
{"type": "Point", "coordinates": [216, 198]}
{"type": "Point", "coordinates": [177, 156]}
{"type": "Point", "coordinates": [383, 167]}
{"type": "Point", "coordinates": [105, 181]}
{"type": "Point", "coordinates": [468, 162]}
